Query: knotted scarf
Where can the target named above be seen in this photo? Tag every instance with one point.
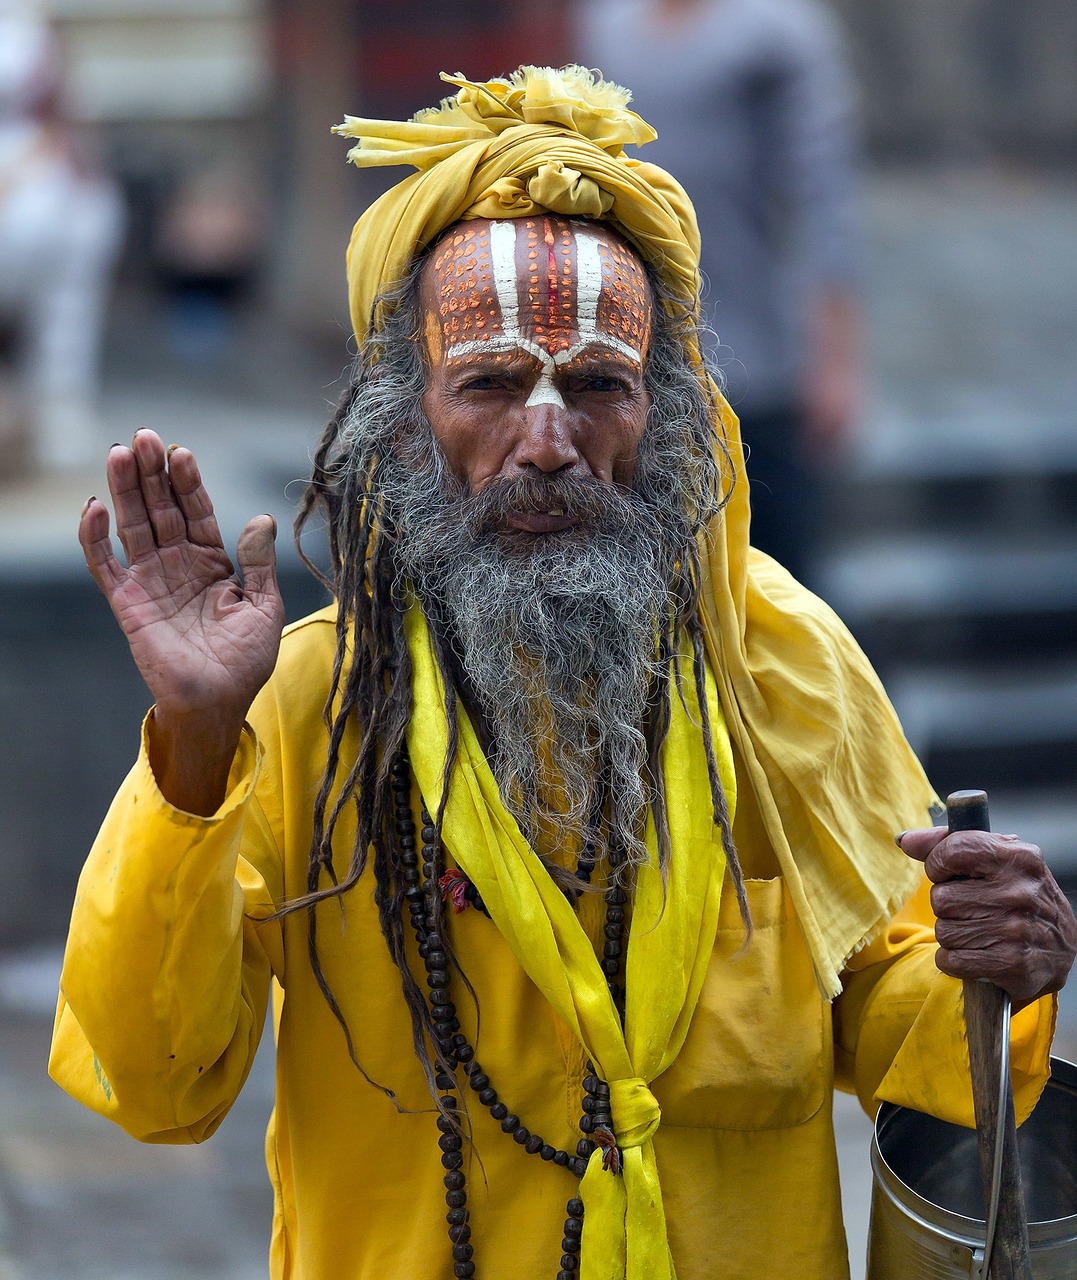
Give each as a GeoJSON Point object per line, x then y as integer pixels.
{"type": "Point", "coordinates": [669, 944]}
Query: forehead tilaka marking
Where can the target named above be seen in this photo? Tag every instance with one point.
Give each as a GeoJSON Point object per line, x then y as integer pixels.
{"type": "Point", "coordinates": [543, 286]}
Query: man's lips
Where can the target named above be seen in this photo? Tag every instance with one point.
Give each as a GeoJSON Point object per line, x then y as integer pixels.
{"type": "Point", "coordinates": [552, 521]}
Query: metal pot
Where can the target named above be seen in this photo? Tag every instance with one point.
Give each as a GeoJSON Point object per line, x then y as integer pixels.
{"type": "Point", "coordinates": [927, 1213]}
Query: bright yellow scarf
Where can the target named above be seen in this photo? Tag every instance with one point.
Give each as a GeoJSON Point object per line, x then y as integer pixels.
{"type": "Point", "coordinates": [669, 945]}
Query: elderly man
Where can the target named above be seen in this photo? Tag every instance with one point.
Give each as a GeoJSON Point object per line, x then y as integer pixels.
{"type": "Point", "coordinates": [567, 832]}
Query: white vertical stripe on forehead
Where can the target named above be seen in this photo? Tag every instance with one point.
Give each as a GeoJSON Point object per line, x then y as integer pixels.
{"type": "Point", "coordinates": [503, 258]}
{"type": "Point", "coordinates": [588, 285]}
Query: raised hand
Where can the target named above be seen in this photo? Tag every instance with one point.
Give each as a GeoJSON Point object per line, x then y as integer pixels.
{"type": "Point", "coordinates": [204, 640]}
{"type": "Point", "coordinates": [1000, 913]}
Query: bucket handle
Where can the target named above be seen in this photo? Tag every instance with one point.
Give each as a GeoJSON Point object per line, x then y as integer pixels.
{"type": "Point", "coordinates": [1000, 1141]}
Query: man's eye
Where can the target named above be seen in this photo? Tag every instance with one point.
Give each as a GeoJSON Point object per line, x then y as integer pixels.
{"type": "Point", "coordinates": [484, 382]}
{"type": "Point", "coordinates": [600, 382]}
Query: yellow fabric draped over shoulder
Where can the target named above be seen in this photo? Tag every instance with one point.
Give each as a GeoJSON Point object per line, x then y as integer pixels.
{"type": "Point", "coordinates": [671, 938]}
{"type": "Point", "coordinates": [830, 767]}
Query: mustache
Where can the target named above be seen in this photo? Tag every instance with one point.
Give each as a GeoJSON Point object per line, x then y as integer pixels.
{"type": "Point", "coordinates": [596, 505]}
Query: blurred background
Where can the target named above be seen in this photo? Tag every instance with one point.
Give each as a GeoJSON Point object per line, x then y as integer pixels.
{"type": "Point", "coordinates": [173, 216]}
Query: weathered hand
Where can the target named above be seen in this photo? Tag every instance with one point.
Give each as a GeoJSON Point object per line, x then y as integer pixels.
{"type": "Point", "coordinates": [204, 641]}
{"type": "Point", "coordinates": [1001, 914]}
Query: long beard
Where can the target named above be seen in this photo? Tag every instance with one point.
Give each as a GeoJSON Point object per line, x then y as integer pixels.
{"type": "Point", "coordinates": [556, 637]}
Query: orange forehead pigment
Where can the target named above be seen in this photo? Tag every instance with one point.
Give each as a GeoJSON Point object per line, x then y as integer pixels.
{"type": "Point", "coordinates": [433, 337]}
{"type": "Point", "coordinates": [546, 286]}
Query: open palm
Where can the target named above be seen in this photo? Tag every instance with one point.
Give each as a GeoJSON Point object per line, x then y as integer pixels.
{"type": "Point", "coordinates": [204, 640]}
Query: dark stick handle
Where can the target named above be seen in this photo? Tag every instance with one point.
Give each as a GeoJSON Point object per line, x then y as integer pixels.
{"type": "Point", "coordinates": [986, 1022]}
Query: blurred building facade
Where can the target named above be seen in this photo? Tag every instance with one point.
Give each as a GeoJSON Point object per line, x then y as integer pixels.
{"type": "Point", "coordinates": [951, 79]}
{"type": "Point", "coordinates": [249, 88]}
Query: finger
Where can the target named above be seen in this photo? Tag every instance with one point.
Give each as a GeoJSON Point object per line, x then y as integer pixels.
{"type": "Point", "coordinates": [132, 520]}
{"type": "Point", "coordinates": [982, 933]}
{"type": "Point", "coordinates": [165, 516]}
{"type": "Point", "coordinates": [947, 855]}
{"type": "Point", "coordinates": [1000, 965]}
{"type": "Point", "coordinates": [1025, 974]}
{"type": "Point", "coordinates": [919, 843]}
{"type": "Point", "coordinates": [982, 855]}
{"type": "Point", "coordinates": [257, 557]}
{"type": "Point", "coordinates": [96, 545]}
{"type": "Point", "coordinates": [193, 500]}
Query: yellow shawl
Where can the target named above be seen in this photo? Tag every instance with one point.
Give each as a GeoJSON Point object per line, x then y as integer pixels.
{"type": "Point", "coordinates": [820, 744]}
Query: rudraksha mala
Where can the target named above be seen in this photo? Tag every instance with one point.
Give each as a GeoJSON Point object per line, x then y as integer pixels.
{"type": "Point", "coordinates": [425, 887]}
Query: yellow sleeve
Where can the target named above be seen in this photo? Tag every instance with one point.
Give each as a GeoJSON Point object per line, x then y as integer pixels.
{"type": "Point", "coordinates": [899, 1029]}
{"type": "Point", "coordinates": [167, 970]}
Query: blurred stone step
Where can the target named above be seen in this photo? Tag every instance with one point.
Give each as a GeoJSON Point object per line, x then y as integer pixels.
{"type": "Point", "coordinates": [935, 575]}
{"type": "Point", "coordinates": [933, 598]}
{"type": "Point", "coordinates": [984, 438]}
{"type": "Point", "coordinates": [986, 465]}
{"type": "Point", "coordinates": [1009, 728]}
{"type": "Point", "coordinates": [1021, 503]}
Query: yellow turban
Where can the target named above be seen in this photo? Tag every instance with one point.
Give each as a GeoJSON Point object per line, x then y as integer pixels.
{"type": "Point", "coordinates": [541, 141]}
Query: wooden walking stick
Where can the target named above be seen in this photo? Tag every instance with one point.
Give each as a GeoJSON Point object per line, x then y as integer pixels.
{"type": "Point", "coordinates": [987, 1021]}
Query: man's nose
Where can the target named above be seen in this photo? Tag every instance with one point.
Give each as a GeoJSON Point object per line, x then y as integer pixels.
{"type": "Point", "coordinates": [546, 438]}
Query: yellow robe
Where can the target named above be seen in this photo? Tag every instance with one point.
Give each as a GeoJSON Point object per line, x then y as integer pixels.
{"type": "Point", "coordinates": [167, 980]}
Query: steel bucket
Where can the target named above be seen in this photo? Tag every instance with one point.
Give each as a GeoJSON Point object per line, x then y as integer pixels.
{"type": "Point", "coordinates": [927, 1214]}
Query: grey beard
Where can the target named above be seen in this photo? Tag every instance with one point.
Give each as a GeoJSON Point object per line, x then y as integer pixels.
{"type": "Point", "coordinates": [556, 636]}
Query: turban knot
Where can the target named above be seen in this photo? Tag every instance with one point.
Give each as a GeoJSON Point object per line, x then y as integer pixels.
{"type": "Point", "coordinates": [572, 99]}
{"type": "Point", "coordinates": [554, 187]}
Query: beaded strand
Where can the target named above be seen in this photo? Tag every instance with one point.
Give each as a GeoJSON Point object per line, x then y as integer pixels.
{"type": "Point", "coordinates": [422, 894]}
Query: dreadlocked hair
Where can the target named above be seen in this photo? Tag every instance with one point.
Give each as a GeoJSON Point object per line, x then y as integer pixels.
{"type": "Point", "coordinates": [685, 468]}
{"type": "Point", "coordinates": [379, 414]}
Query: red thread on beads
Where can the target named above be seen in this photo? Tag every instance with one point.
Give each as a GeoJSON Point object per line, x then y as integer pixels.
{"type": "Point", "coordinates": [454, 885]}
{"type": "Point", "coordinates": [611, 1153]}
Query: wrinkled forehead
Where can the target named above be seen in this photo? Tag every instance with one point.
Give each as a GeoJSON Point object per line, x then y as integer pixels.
{"type": "Point", "coordinates": [550, 287]}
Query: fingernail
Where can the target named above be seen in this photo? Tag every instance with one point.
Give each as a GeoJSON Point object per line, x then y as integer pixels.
{"type": "Point", "coordinates": [91, 498]}
{"type": "Point", "coordinates": [116, 444]}
{"type": "Point", "coordinates": [273, 522]}
{"type": "Point", "coordinates": [900, 836]}
{"type": "Point", "coordinates": [171, 450]}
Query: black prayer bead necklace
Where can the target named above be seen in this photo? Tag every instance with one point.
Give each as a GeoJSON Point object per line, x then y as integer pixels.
{"type": "Point", "coordinates": [423, 893]}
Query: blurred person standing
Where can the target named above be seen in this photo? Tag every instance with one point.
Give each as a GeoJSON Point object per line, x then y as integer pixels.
{"type": "Point", "coordinates": [753, 103]}
{"type": "Point", "coordinates": [61, 223]}
{"type": "Point", "coordinates": [207, 253]}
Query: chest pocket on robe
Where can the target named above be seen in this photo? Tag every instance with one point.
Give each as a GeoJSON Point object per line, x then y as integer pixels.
{"type": "Point", "coordinates": [758, 1052]}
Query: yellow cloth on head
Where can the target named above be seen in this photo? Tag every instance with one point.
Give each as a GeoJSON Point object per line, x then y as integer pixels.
{"type": "Point", "coordinates": [511, 149]}
{"type": "Point", "coordinates": [671, 938]}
